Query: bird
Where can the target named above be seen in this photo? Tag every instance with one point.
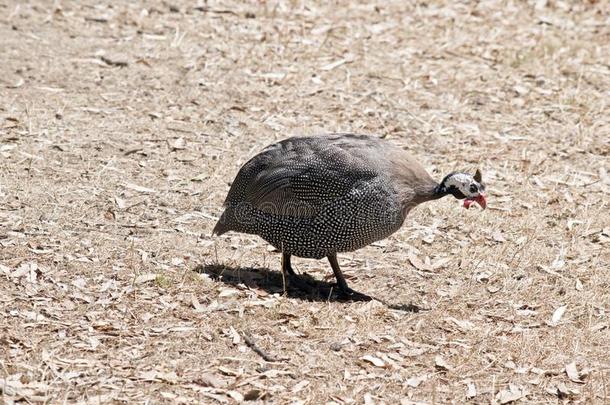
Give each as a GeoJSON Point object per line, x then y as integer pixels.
{"type": "Point", "coordinates": [316, 196]}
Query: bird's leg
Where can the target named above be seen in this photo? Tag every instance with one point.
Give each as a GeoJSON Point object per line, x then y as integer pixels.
{"type": "Point", "coordinates": [290, 277]}
{"type": "Point", "coordinates": [342, 284]}
{"type": "Point", "coordinates": [286, 267]}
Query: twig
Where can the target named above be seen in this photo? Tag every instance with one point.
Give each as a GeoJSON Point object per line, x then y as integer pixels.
{"type": "Point", "coordinates": [132, 151]}
{"type": "Point", "coordinates": [210, 10]}
{"type": "Point", "coordinates": [252, 345]}
{"type": "Point", "coordinates": [114, 62]}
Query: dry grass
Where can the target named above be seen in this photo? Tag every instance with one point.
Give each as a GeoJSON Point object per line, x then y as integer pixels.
{"type": "Point", "coordinates": [120, 127]}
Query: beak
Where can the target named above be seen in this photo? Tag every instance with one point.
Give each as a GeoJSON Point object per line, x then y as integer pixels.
{"type": "Point", "coordinates": [480, 199]}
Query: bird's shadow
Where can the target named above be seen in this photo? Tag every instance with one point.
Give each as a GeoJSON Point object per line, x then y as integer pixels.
{"type": "Point", "coordinates": [272, 282]}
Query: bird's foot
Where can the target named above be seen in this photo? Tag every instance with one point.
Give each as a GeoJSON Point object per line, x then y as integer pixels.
{"type": "Point", "coordinates": [351, 295]}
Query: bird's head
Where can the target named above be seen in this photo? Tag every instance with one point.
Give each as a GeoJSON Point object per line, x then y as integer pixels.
{"type": "Point", "coordinates": [464, 186]}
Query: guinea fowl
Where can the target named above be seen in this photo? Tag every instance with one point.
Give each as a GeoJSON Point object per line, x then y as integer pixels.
{"type": "Point", "coordinates": [317, 196]}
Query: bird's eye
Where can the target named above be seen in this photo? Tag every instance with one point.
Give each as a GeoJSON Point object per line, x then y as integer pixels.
{"type": "Point", "coordinates": [473, 188]}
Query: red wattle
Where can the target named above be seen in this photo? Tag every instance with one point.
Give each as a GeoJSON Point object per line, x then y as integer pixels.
{"type": "Point", "coordinates": [480, 199]}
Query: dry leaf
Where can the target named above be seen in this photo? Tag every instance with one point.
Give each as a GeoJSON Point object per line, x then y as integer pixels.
{"type": "Point", "coordinates": [493, 288]}
{"type": "Point", "coordinates": [170, 377]}
{"type": "Point", "coordinates": [154, 375]}
{"type": "Point", "coordinates": [119, 60]}
{"type": "Point", "coordinates": [215, 397]}
{"type": "Point", "coordinates": [276, 76]}
{"type": "Point", "coordinates": [418, 264]}
{"type": "Point", "coordinates": [145, 278]}
{"type": "Point", "coordinates": [235, 336]}
{"type": "Point", "coordinates": [209, 380]}
{"type": "Point", "coordinates": [235, 395]}
{"type": "Point", "coordinates": [23, 269]}
{"type": "Point", "coordinates": [429, 238]}
{"type": "Point", "coordinates": [441, 263]}
{"type": "Point", "coordinates": [228, 371]}
{"type": "Point", "coordinates": [441, 364]}
{"type": "Point", "coordinates": [334, 65]}
{"type": "Point", "coordinates": [228, 292]}
{"type": "Point", "coordinates": [178, 144]}
{"type": "Point", "coordinates": [140, 189]}
{"type": "Point", "coordinates": [472, 389]}
{"type": "Point", "coordinates": [94, 342]}
{"type": "Point", "coordinates": [299, 387]}
{"type": "Point", "coordinates": [562, 391]}
{"type": "Point", "coordinates": [376, 361]}
{"type": "Point", "coordinates": [557, 315]}
{"type": "Point", "coordinates": [462, 324]}
{"type": "Point", "coordinates": [255, 394]}
{"type": "Point", "coordinates": [416, 381]}
{"type": "Point", "coordinates": [196, 304]}
{"type": "Point", "coordinates": [498, 237]}
{"type": "Point", "coordinates": [521, 90]}
{"type": "Point", "coordinates": [120, 203]}
{"type": "Point", "coordinates": [18, 83]}
{"type": "Point", "coordinates": [510, 394]}
{"type": "Point", "coordinates": [573, 373]}
{"type": "Point", "coordinates": [4, 269]}
{"type": "Point", "coordinates": [200, 177]}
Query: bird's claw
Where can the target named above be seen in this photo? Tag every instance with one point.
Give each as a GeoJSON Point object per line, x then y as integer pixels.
{"type": "Point", "coordinates": [351, 295]}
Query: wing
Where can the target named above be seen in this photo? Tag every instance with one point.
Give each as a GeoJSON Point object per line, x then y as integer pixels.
{"type": "Point", "coordinates": [299, 176]}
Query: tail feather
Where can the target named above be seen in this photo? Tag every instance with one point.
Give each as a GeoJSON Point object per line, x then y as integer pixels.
{"type": "Point", "coordinates": [221, 226]}
{"type": "Point", "coordinates": [233, 220]}
{"type": "Point", "coordinates": [226, 223]}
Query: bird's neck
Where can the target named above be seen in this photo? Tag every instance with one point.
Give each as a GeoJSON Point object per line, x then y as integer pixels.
{"type": "Point", "coordinates": [418, 195]}
{"type": "Point", "coordinates": [433, 192]}
{"type": "Point", "coordinates": [438, 192]}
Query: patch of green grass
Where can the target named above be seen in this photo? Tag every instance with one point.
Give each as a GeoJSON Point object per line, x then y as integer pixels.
{"type": "Point", "coordinates": [163, 281]}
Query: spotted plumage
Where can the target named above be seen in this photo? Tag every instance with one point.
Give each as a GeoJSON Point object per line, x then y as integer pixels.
{"type": "Point", "coordinates": [317, 196]}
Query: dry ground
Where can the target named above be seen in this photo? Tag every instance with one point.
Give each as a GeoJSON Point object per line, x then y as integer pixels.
{"type": "Point", "coordinates": [121, 126]}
